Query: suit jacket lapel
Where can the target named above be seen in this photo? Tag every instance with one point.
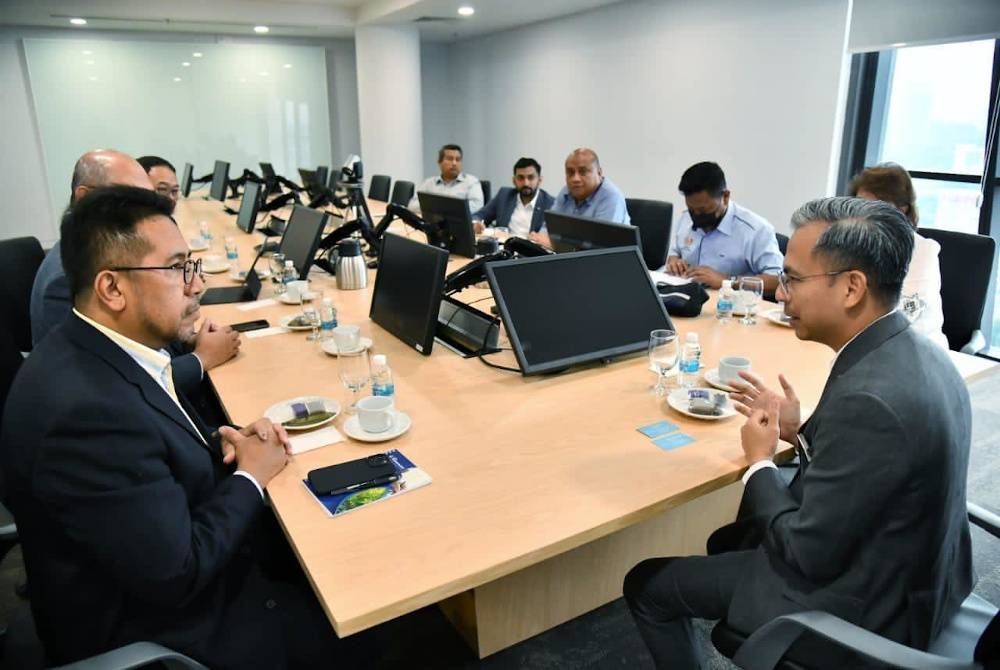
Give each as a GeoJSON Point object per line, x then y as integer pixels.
{"type": "Point", "coordinates": [99, 344]}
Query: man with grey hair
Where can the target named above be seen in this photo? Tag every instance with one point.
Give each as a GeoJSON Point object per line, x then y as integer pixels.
{"type": "Point", "coordinates": [881, 475]}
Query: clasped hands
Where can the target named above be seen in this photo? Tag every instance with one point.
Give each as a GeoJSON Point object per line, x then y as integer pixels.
{"type": "Point", "coordinates": [260, 449]}
{"type": "Point", "coordinates": [770, 415]}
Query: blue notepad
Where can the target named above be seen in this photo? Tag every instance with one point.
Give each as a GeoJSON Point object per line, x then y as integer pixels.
{"type": "Point", "coordinates": [673, 441]}
{"type": "Point", "coordinates": [657, 429]}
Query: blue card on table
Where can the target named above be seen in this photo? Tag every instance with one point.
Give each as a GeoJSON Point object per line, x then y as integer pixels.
{"type": "Point", "coordinates": [673, 441]}
{"type": "Point", "coordinates": [657, 429]}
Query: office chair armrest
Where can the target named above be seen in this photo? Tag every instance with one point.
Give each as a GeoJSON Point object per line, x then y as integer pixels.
{"type": "Point", "coordinates": [984, 518]}
{"type": "Point", "coordinates": [975, 344]}
{"type": "Point", "coordinates": [135, 655]}
{"type": "Point", "coordinates": [765, 648]}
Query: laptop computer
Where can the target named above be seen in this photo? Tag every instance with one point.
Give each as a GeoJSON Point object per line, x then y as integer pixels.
{"type": "Point", "coordinates": [245, 292]}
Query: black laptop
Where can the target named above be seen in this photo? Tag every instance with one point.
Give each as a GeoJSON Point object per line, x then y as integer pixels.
{"type": "Point", "coordinates": [245, 292]}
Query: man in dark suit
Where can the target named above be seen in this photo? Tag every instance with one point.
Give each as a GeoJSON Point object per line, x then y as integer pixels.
{"type": "Point", "coordinates": [873, 528]}
{"type": "Point", "coordinates": [134, 516]}
{"type": "Point", "coordinates": [520, 209]}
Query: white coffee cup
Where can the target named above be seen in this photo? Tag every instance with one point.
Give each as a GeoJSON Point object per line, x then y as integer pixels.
{"type": "Point", "coordinates": [297, 290]}
{"type": "Point", "coordinates": [347, 338]}
{"type": "Point", "coordinates": [376, 413]}
{"type": "Point", "coordinates": [730, 367]}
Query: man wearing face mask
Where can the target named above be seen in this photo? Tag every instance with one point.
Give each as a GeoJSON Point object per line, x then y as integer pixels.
{"type": "Point", "coordinates": [717, 239]}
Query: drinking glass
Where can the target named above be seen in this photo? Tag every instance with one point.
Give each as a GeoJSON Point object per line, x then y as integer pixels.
{"type": "Point", "coordinates": [751, 289]}
{"type": "Point", "coordinates": [312, 316]}
{"type": "Point", "coordinates": [354, 372]}
{"type": "Point", "coordinates": [662, 356]}
{"type": "Point", "coordinates": [277, 264]}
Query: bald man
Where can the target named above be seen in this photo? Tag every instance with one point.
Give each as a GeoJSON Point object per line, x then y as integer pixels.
{"type": "Point", "coordinates": [51, 302]}
{"type": "Point", "coordinates": [588, 192]}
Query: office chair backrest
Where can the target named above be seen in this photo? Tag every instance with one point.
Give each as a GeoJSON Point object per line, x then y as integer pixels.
{"type": "Point", "coordinates": [20, 258]}
{"type": "Point", "coordinates": [653, 219]}
{"type": "Point", "coordinates": [782, 243]}
{"type": "Point", "coordinates": [487, 190]}
{"type": "Point", "coordinates": [966, 263]}
{"type": "Point", "coordinates": [402, 193]}
{"type": "Point", "coordinates": [379, 187]}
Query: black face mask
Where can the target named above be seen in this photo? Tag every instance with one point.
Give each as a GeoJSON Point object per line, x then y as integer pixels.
{"type": "Point", "coordinates": [707, 220]}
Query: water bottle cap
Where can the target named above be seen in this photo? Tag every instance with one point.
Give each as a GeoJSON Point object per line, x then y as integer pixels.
{"type": "Point", "coordinates": [692, 337]}
{"type": "Point", "coordinates": [727, 283]}
{"type": "Point", "coordinates": [379, 359]}
{"type": "Point", "coordinates": [289, 264]}
{"type": "Point", "coordinates": [328, 302]}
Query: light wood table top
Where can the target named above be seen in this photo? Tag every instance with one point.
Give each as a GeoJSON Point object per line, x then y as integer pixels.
{"type": "Point", "coordinates": [524, 468]}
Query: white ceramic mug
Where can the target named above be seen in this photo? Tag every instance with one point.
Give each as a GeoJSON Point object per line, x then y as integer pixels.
{"type": "Point", "coordinates": [730, 367]}
{"type": "Point", "coordinates": [297, 290]}
{"type": "Point", "coordinates": [347, 338]}
{"type": "Point", "coordinates": [376, 413]}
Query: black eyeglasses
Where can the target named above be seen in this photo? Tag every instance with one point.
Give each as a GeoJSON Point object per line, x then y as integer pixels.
{"type": "Point", "coordinates": [786, 280]}
{"type": "Point", "coordinates": [188, 268]}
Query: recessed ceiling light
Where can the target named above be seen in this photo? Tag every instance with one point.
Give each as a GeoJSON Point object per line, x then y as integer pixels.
{"type": "Point", "coordinates": [466, 10]}
{"type": "Point", "coordinates": [898, 44]}
{"type": "Point", "coordinates": [185, 64]}
{"type": "Point", "coordinates": [78, 22]}
{"type": "Point", "coordinates": [243, 80]}
{"type": "Point", "coordinates": [87, 52]}
{"type": "Point", "coordinates": [92, 78]}
{"type": "Point", "coordinates": [261, 29]}
{"type": "Point", "coordinates": [262, 73]}
{"type": "Point", "coordinates": [197, 54]}
{"type": "Point", "coordinates": [287, 66]}
{"type": "Point", "coordinates": [177, 78]}
{"type": "Point", "coordinates": [90, 62]}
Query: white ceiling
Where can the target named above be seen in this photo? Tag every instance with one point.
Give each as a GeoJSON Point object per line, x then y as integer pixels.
{"type": "Point", "coordinates": [438, 19]}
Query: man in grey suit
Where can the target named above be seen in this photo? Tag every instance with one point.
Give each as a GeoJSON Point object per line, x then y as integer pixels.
{"type": "Point", "coordinates": [873, 528]}
{"type": "Point", "coordinates": [520, 209]}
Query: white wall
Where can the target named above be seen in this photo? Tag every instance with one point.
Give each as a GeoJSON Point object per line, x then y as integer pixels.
{"type": "Point", "coordinates": [655, 86]}
{"type": "Point", "coordinates": [439, 110]}
{"type": "Point", "coordinates": [23, 186]}
{"type": "Point", "coordinates": [881, 24]}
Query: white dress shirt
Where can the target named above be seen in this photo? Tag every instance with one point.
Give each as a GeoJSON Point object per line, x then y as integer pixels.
{"type": "Point", "coordinates": [520, 218]}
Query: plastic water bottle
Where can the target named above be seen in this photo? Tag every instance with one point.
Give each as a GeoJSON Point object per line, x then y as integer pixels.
{"type": "Point", "coordinates": [382, 377]}
{"type": "Point", "coordinates": [724, 305]}
{"type": "Point", "coordinates": [233, 257]}
{"type": "Point", "coordinates": [289, 275]}
{"type": "Point", "coordinates": [690, 361]}
{"type": "Point", "coordinates": [327, 319]}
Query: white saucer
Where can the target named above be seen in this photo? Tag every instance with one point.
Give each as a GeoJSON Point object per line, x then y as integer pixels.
{"type": "Point", "coordinates": [678, 399]}
{"type": "Point", "coordinates": [286, 320]}
{"type": "Point", "coordinates": [712, 377]}
{"type": "Point", "coordinates": [309, 295]}
{"type": "Point", "coordinates": [282, 411]}
{"type": "Point", "coordinates": [400, 424]}
{"type": "Point", "coordinates": [774, 316]}
{"type": "Point", "coordinates": [214, 264]}
{"type": "Point", "coordinates": [197, 244]}
{"type": "Point", "coordinates": [330, 346]}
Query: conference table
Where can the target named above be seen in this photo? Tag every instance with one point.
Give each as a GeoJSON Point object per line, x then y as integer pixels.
{"type": "Point", "coordinates": [544, 492]}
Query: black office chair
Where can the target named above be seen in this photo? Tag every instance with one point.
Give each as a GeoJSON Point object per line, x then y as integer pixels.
{"type": "Point", "coordinates": [20, 258]}
{"type": "Point", "coordinates": [966, 263]}
{"type": "Point", "coordinates": [782, 243]}
{"type": "Point", "coordinates": [652, 218]}
{"type": "Point", "coordinates": [378, 189]}
{"type": "Point", "coordinates": [402, 193]}
{"type": "Point", "coordinates": [487, 190]}
{"type": "Point", "coordinates": [970, 641]}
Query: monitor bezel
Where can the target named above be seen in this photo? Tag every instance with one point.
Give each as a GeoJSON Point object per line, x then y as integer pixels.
{"type": "Point", "coordinates": [426, 344]}
{"type": "Point", "coordinates": [560, 364]}
{"type": "Point", "coordinates": [463, 240]}
{"type": "Point", "coordinates": [186, 177]}
{"type": "Point", "coordinates": [212, 192]}
{"type": "Point", "coordinates": [595, 227]}
{"type": "Point", "coordinates": [254, 206]}
{"type": "Point", "coordinates": [311, 256]}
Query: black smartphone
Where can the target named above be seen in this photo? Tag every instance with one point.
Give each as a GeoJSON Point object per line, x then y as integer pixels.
{"type": "Point", "coordinates": [363, 473]}
{"type": "Point", "coordinates": [250, 325]}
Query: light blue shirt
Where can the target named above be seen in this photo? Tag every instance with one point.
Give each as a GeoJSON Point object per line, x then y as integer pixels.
{"type": "Point", "coordinates": [606, 203]}
{"type": "Point", "coordinates": [742, 244]}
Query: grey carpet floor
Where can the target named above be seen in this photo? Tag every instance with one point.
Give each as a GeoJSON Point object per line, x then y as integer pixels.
{"type": "Point", "coordinates": [606, 638]}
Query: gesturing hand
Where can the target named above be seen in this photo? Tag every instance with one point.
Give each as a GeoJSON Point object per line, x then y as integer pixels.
{"type": "Point", "coordinates": [759, 435]}
{"type": "Point", "coordinates": [751, 393]}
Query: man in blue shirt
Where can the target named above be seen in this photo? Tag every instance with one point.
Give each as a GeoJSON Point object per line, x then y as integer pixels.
{"type": "Point", "coordinates": [717, 239]}
{"type": "Point", "coordinates": [588, 192]}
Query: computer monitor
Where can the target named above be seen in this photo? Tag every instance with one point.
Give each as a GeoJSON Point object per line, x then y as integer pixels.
{"type": "Point", "coordinates": [301, 238]}
{"type": "Point", "coordinates": [567, 309]}
{"type": "Point", "coordinates": [449, 223]}
{"type": "Point", "coordinates": [270, 178]}
{"type": "Point", "coordinates": [247, 216]}
{"type": "Point", "coordinates": [220, 180]}
{"type": "Point", "coordinates": [186, 179]}
{"type": "Point", "coordinates": [407, 293]}
{"type": "Point", "coordinates": [321, 175]}
{"type": "Point", "coordinates": [308, 178]}
{"type": "Point", "coordinates": [580, 233]}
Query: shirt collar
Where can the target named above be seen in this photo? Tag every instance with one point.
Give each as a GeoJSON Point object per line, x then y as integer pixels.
{"type": "Point", "coordinates": [153, 361]}
{"type": "Point", "coordinates": [586, 201]}
{"type": "Point", "coordinates": [856, 335]}
{"type": "Point", "coordinates": [440, 180]}
{"type": "Point", "coordinates": [519, 203]}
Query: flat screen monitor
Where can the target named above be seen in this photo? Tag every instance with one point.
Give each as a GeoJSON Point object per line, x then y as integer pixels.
{"type": "Point", "coordinates": [308, 178]}
{"type": "Point", "coordinates": [301, 237]}
{"type": "Point", "coordinates": [321, 175]}
{"type": "Point", "coordinates": [580, 233]}
{"type": "Point", "coordinates": [407, 294]}
{"type": "Point", "coordinates": [449, 223]}
{"type": "Point", "coordinates": [270, 178]}
{"type": "Point", "coordinates": [566, 309]}
{"type": "Point", "coordinates": [220, 180]}
{"type": "Point", "coordinates": [186, 179]}
{"type": "Point", "coordinates": [247, 216]}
